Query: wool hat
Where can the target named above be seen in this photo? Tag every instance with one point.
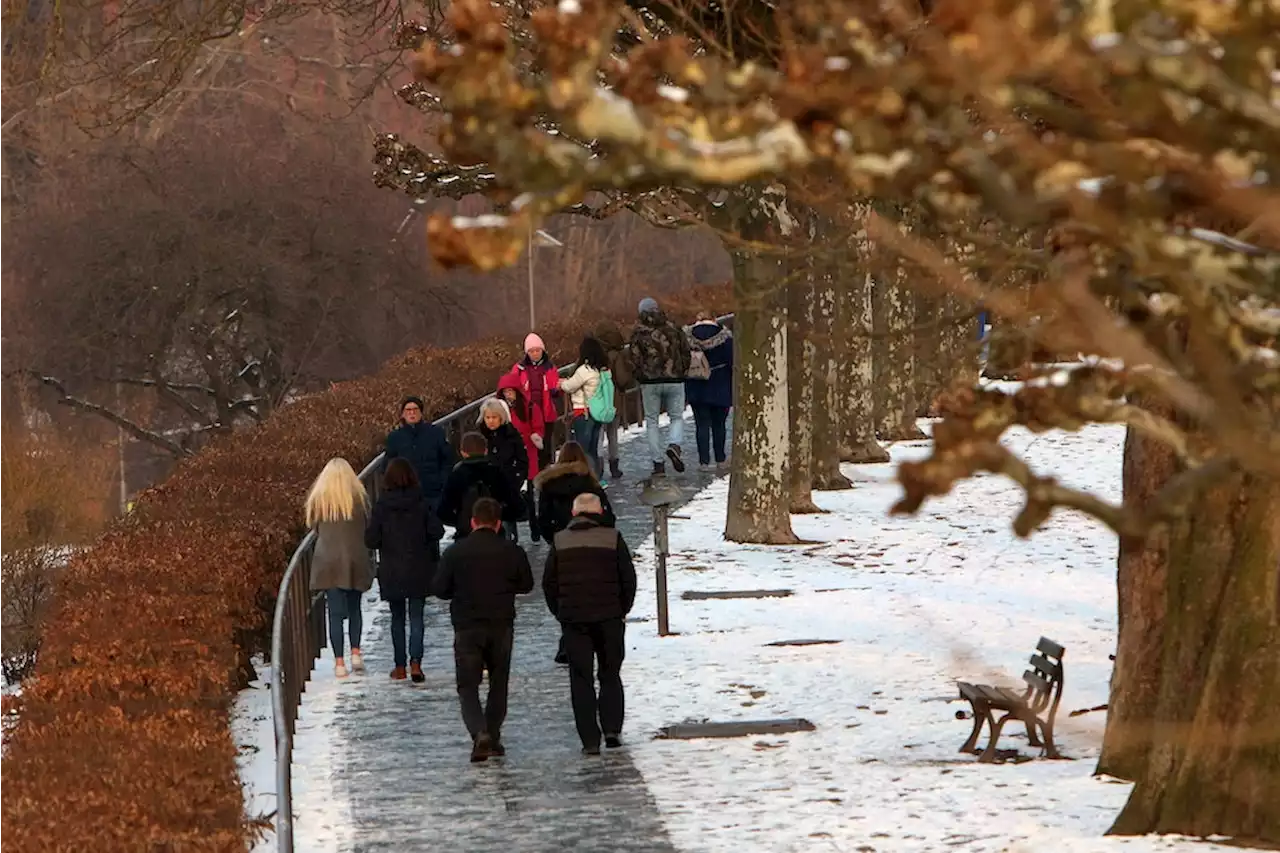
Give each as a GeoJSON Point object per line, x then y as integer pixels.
{"type": "Point", "coordinates": [415, 400]}
{"type": "Point", "coordinates": [648, 305]}
{"type": "Point", "coordinates": [532, 341]}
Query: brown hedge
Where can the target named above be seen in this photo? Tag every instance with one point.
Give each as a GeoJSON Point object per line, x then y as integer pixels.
{"type": "Point", "coordinates": [123, 741]}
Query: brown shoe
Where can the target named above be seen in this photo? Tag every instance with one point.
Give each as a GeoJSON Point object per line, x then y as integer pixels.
{"type": "Point", "coordinates": [415, 672]}
{"type": "Point", "coordinates": [398, 674]}
{"type": "Point", "coordinates": [480, 748]}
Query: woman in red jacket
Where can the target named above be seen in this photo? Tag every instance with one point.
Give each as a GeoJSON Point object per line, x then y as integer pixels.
{"type": "Point", "coordinates": [530, 421]}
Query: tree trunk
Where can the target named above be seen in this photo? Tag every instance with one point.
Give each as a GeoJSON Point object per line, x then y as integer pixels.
{"type": "Point", "coordinates": [759, 493]}
{"type": "Point", "coordinates": [853, 317]}
{"type": "Point", "coordinates": [893, 317]}
{"type": "Point", "coordinates": [801, 359]}
{"type": "Point", "coordinates": [1140, 588]}
{"type": "Point", "coordinates": [1213, 764]}
{"type": "Point", "coordinates": [930, 365]}
{"type": "Point", "coordinates": [828, 387]}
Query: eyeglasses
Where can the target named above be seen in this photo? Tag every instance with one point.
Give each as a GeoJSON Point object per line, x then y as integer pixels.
{"type": "Point", "coordinates": [412, 409]}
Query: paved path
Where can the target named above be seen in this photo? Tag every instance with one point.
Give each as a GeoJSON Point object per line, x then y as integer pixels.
{"type": "Point", "coordinates": [399, 753]}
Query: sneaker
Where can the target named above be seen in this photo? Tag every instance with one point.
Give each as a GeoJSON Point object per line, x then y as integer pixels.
{"type": "Point", "coordinates": [659, 468]}
{"type": "Point", "coordinates": [415, 672]}
{"type": "Point", "coordinates": [340, 669]}
{"type": "Point", "coordinates": [357, 661]}
{"type": "Point", "coordinates": [673, 453]}
{"type": "Point", "coordinates": [480, 748]}
{"type": "Point", "coordinates": [398, 674]}
{"type": "Point", "coordinates": [615, 469]}
{"type": "Point", "coordinates": [591, 750]}
{"type": "Point", "coordinates": [612, 741]}
{"type": "Point", "coordinates": [604, 483]}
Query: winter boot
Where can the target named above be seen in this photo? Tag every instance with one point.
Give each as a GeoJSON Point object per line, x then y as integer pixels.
{"type": "Point", "coordinates": [612, 741]}
{"type": "Point", "coordinates": [415, 672]}
{"type": "Point", "coordinates": [398, 674]}
{"type": "Point", "coordinates": [659, 468]}
{"type": "Point", "coordinates": [480, 748]}
{"type": "Point", "coordinates": [615, 469]}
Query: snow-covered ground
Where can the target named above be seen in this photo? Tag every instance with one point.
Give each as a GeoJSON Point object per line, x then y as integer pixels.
{"type": "Point", "coordinates": [916, 603]}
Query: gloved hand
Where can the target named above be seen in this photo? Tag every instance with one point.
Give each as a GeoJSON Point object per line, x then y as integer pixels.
{"type": "Point", "coordinates": [537, 441]}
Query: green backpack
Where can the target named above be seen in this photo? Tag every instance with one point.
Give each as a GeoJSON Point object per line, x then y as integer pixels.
{"type": "Point", "coordinates": [600, 407]}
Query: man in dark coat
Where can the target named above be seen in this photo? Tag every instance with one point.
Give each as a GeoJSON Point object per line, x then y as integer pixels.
{"type": "Point", "coordinates": [476, 477]}
{"type": "Point", "coordinates": [425, 446]}
{"type": "Point", "coordinates": [480, 576]}
{"type": "Point", "coordinates": [711, 398]}
{"type": "Point", "coordinates": [590, 585]}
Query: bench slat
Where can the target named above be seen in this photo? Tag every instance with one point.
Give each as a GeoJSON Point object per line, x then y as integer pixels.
{"type": "Point", "coordinates": [1050, 648]}
{"type": "Point", "coordinates": [1047, 667]}
{"type": "Point", "coordinates": [1040, 685]}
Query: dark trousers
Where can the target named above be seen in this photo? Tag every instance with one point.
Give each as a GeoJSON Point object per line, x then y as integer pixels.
{"type": "Point", "coordinates": [708, 426]}
{"type": "Point", "coordinates": [478, 648]}
{"type": "Point", "coordinates": [417, 626]}
{"type": "Point", "coordinates": [588, 644]}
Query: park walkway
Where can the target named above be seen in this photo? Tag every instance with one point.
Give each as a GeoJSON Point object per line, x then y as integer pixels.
{"type": "Point", "coordinates": [391, 772]}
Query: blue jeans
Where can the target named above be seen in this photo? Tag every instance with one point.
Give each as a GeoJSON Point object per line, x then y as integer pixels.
{"type": "Point", "coordinates": [417, 626]}
{"type": "Point", "coordinates": [343, 604]}
{"type": "Point", "coordinates": [654, 397]}
{"type": "Point", "coordinates": [587, 433]}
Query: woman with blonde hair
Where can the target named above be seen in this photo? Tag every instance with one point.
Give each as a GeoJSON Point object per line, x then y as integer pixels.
{"type": "Point", "coordinates": [337, 508]}
{"type": "Point", "coordinates": [506, 450]}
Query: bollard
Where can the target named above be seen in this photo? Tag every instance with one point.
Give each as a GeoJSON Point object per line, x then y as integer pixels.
{"type": "Point", "coordinates": [661, 494]}
{"type": "Point", "coordinates": [660, 575]}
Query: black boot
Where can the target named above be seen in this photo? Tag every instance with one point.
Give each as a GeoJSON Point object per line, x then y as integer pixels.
{"type": "Point", "coordinates": [659, 468]}
{"type": "Point", "coordinates": [615, 469]}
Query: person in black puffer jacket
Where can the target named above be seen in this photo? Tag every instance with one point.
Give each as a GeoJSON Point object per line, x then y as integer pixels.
{"type": "Point", "coordinates": [407, 534]}
{"type": "Point", "coordinates": [560, 484]}
{"type": "Point", "coordinates": [507, 452]}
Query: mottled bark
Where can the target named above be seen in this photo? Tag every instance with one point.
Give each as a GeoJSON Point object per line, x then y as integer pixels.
{"type": "Point", "coordinates": [853, 318]}
{"type": "Point", "coordinates": [801, 358]}
{"type": "Point", "coordinates": [1213, 764]}
{"type": "Point", "coordinates": [1140, 588]}
{"type": "Point", "coordinates": [930, 366]}
{"type": "Point", "coordinates": [759, 493]}
{"type": "Point", "coordinates": [893, 316]}
{"type": "Point", "coordinates": [828, 388]}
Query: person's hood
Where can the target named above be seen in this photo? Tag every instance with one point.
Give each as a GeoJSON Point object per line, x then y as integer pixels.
{"type": "Point", "coordinates": [709, 335]}
{"type": "Point", "coordinates": [608, 334]}
{"type": "Point", "coordinates": [475, 461]}
{"type": "Point", "coordinates": [653, 318]}
{"type": "Point", "coordinates": [560, 469]}
{"type": "Point", "coordinates": [402, 500]}
{"type": "Point", "coordinates": [510, 380]}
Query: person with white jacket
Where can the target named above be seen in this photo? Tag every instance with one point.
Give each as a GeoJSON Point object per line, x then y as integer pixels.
{"type": "Point", "coordinates": [581, 386]}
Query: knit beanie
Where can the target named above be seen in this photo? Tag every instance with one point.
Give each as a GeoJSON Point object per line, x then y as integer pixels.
{"type": "Point", "coordinates": [532, 341]}
{"type": "Point", "coordinates": [416, 401]}
{"type": "Point", "coordinates": [648, 305]}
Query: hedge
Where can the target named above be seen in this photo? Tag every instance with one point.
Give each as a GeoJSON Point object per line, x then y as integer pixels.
{"type": "Point", "coordinates": [123, 740]}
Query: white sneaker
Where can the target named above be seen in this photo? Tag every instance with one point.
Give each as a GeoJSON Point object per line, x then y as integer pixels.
{"type": "Point", "coordinates": [340, 669]}
{"type": "Point", "coordinates": [357, 662]}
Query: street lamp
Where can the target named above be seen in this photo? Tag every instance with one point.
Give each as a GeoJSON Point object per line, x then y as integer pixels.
{"type": "Point", "coordinates": [544, 240]}
{"type": "Point", "coordinates": [660, 493]}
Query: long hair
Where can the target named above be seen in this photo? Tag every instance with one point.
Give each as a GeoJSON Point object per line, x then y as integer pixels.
{"type": "Point", "coordinates": [572, 452]}
{"type": "Point", "coordinates": [399, 475]}
{"type": "Point", "coordinates": [335, 494]}
{"type": "Point", "coordinates": [496, 405]}
{"type": "Point", "coordinates": [592, 354]}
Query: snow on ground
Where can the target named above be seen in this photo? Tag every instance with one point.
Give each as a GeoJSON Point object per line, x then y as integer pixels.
{"type": "Point", "coordinates": [916, 602]}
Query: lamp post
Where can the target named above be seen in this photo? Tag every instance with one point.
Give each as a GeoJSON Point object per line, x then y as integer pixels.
{"type": "Point", "coordinates": [660, 493]}
{"type": "Point", "coordinates": [544, 240]}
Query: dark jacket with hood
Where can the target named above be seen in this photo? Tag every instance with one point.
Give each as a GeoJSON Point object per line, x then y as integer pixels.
{"type": "Point", "coordinates": [589, 576]}
{"type": "Point", "coordinates": [470, 480]}
{"type": "Point", "coordinates": [407, 534]}
{"type": "Point", "coordinates": [480, 577]}
{"type": "Point", "coordinates": [659, 349]}
{"type": "Point", "coordinates": [507, 452]}
{"type": "Point", "coordinates": [557, 486]}
{"type": "Point", "coordinates": [716, 342]}
{"type": "Point", "coordinates": [424, 446]}
{"type": "Point", "coordinates": [608, 334]}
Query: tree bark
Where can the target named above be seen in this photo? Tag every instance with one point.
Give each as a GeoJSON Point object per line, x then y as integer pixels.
{"type": "Point", "coordinates": [1213, 765]}
{"type": "Point", "coordinates": [801, 360]}
{"type": "Point", "coordinates": [853, 317]}
{"type": "Point", "coordinates": [1140, 593]}
{"type": "Point", "coordinates": [828, 387]}
{"type": "Point", "coordinates": [759, 493]}
{"type": "Point", "coordinates": [893, 317]}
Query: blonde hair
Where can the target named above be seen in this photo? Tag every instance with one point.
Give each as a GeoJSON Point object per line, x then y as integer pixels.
{"type": "Point", "coordinates": [494, 404]}
{"type": "Point", "coordinates": [335, 494]}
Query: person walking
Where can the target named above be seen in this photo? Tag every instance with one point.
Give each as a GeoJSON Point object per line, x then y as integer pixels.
{"type": "Point", "coordinates": [507, 452]}
{"type": "Point", "coordinates": [581, 387]}
{"type": "Point", "coordinates": [424, 445]}
{"type": "Point", "coordinates": [527, 420]}
{"type": "Point", "coordinates": [711, 398]}
{"type": "Point", "coordinates": [607, 333]}
{"type": "Point", "coordinates": [475, 477]}
{"type": "Point", "coordinates": [660, 353]}
{"type": "Point", "coordinates": [590, 585]}
{"type": "Point", "coordinates": [407, 534]}
{"type": "Point", "coordinates": [536, 376]}
{"type": "Point", "coordinates": [480, 576]}
{"type": "Point", "coordinates": [337, 508]}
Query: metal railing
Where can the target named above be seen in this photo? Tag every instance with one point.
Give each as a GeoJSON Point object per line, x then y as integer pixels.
{"type": "Point", "coordinates": [298, 627]}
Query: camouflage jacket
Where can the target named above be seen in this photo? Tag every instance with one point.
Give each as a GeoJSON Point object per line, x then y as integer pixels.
{"type": "Point", "coordinates": [659, 349]}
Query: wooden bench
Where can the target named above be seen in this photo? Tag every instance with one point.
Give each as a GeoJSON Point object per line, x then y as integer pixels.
{"type": "Point", "coordinates": [1036, 707]}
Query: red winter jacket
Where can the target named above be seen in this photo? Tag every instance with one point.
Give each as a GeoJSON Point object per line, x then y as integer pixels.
{"type": "Point", "coordinates": [526, 420]}
{"type": "Point", "coordinates": [540, 383]}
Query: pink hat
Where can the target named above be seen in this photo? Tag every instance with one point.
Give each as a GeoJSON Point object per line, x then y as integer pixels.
{"type": "Point", "coordinates": [532, 341]}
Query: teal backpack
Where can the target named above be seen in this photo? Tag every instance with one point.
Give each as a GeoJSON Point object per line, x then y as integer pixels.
{"type": "Point", "coordinates": [600, 407]}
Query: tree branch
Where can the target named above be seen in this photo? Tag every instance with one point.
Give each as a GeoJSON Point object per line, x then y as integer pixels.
{"type": "Point", "coordinates": [137, 431]}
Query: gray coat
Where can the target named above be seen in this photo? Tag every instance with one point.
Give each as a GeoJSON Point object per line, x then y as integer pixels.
{"type": "Point", "coordinates": [341, 560]}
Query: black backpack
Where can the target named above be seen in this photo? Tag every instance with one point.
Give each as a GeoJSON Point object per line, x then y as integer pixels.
{"type": "Point", "coordinates": [478, 489]}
